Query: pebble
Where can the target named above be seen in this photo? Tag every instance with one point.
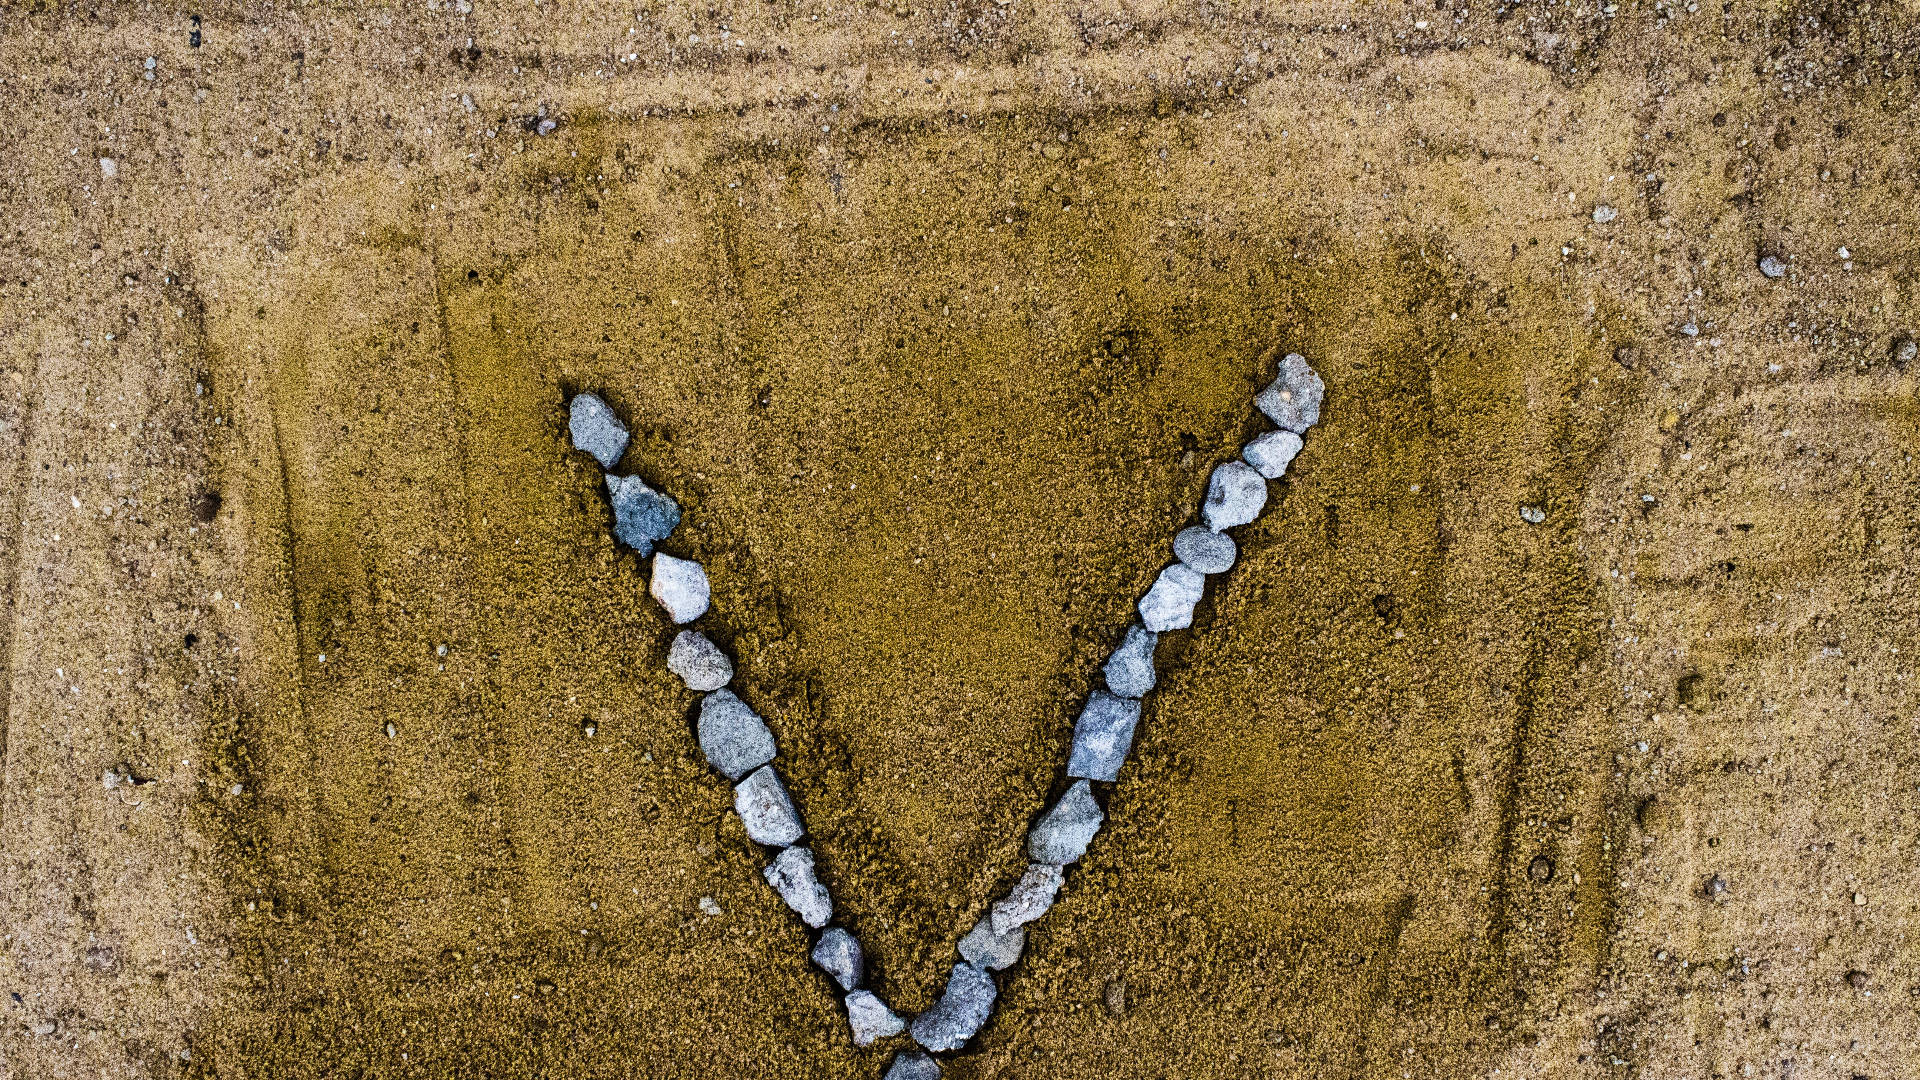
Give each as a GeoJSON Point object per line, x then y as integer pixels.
{"type": "Point", "coordinates": [985, 949]}
{"type": "Point", "coordinates": [1205, 550]}
{"type": "Point", "coordinates": [1292, 400]}
{"type": "Point", "coordinates": [1030, 899]}
{"type": "Point", "coordinates": [1904, 350]}
{"type": "Point", "coordinates": [1102, 736]}
{"type": "Point", "coordinates": [597, 430]}
{"type": "Point", "coordinates": [913, 1065]}
{"type": "Point", "coordinates": [681, 587]}
{"type": "Point", "coordinates": [1062, 834]}
{"type": "Point", "coordinates": [1773, 266]}
{"type": "Point", "coordinates": [1169, 604]}
{"type": "Point", "coordinates": [792, 876]}
{"type": "Point", "coordinates": [1532, 515]}
{"type": "Point", "coordinates": [840, 956]}
{"type": "Point", "coordinates": [961, 1011]}
{"type": "Point", "coordinates": [734, 738]}
{"type": "Point", "coordinates": [766, 810]}
{"type": "Point", "coordinates": [709, 906]}
{"type": "Point", "coordinates": [1603, 214]}
{"type": "Point", "coordinates": [1235, 496]}
{"type": "Point", "coordinates": [642, 516]}
{"type": "Point", "coordinates": [698, 661]}
{"type": "Point", "coordinates": [1270, 454]}
{"type": "Point", "coordinates": [1129, 670]}
{"type": "Point", "coordinates": [872, 1021]}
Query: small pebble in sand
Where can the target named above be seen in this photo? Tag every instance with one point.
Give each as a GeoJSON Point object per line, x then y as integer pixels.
{"type": "Point", "coordinates": [1062, 834]}
{"type": "Point", "coordinates": [1532, 515]}
{"type": "Point", "coordinates": [1205, 550]}
{"type": "Point", "coordinates": [681, 587]}
{"type": "Point", "coordinates": [734, 738]}
{"type": "Point", "coordinates": [1293, 399]}
{"type": "Point", "coordinates": [872, 1021]}
{"type": "Point", "coordinates": [1129, 670]}
{"type": "Point", "coordinates": [1030, 899]}
{"type": "Point", "coordinates": [766, 810]}
{"type": "Point", "coordinates": [961, 1011]}
{"type": "Point", "coordinates": [1102, 736]}
{"type": "Point", "coordinates": [912, 1064]}
{"type": "Point", "coordinates": [709, 906]}
{"type": "Point", "coordinates": [1904, 350]}
{"type": "Point", "coordinates": [1270, 454]}
{"type": "Point", "coordinates": [839, 955]}
{"type": "Point", "coordinates": [1235, 495]}
{"type": "Point", "coordinates": [698, 662]}
{"type": "Point", "coordinates": [793, 877]}
{"type": "Point", "coordinates": [1773, 266]}
{"type": "Point", "coordinates": [1169, 604]}
{"type": "Point", "coordinates": [596, 429]}
{"type": "Point", "coordinates": [985, 949]}
{"type": "Point", "coordinates": [642, 516]}
{"type": "Point", "coordinates": [1604, 213]}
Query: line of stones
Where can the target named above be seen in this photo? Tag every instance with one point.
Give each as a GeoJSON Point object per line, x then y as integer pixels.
{"type": "Point", "coordinates": [737, 742]}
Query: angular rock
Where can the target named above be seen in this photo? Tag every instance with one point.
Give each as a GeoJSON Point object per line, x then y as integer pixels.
{"type": "Point", "coordinates": [734, 738]}
{"type": "Point", "coordinates": [839, 954]}
{"type": "Point", "coordinates": [792, 876]}
{"type": "Point", "coordinates": [913, 1065]}
{"type": "Point", "coordinates": [1129, 670]}
{"type": "Point", "coordinates": [872, 1021]}
{"type": "Point", "coordinates": [1030, 899]}
{"type": "Point", "coordinates": [1169, 604]}
{"type": "Point", "coordinates": [596, 429]}
{"type": "Point", "coordinates": [1292, 400]}
{"type": "Point", "coordinates": [642, 517]}
{"type": "Point", "coordinates": [681, 587]}
{"type": "Point", "coordinates": [985, 949]}
{"type": "Point", "coordinates": [1062, 834]}
{"type": "Point", "coordinates": [1773, 266]}
{"type": "Point", "coordinates": [1205, 550]}
{"type": "Point", "coordinates": [1270, 454]}
{"type": "Point", "coordinates": [766, 809]}
{"type": "Point", "coordinates": [961, 1011]}
{"type": "Point", "coordinates": [1235, 495]}
{"type": "Point", "coordinates": [698, 661]}
{"type": "Point", "coordinates": [1102, 736]}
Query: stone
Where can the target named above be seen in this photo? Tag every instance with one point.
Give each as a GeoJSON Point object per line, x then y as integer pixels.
{"type": "Point", "coordinates": [1773, 266]}
{"type": "Point", "coordinates": [839, 954]}
{"type": "Point", "coordinates": [698, 661]}
{"type": "Point", "coordinates": [793, 877]}
{"type": "Point", "coordinates": [872, 1021]}
{"type": "Point", "coordinates": [1293, 399]}
{"type": "Point", "coordinates": [710, 907]}
{"type": "Point", "coordinates": [961, 1011]}
{"type": "Point", "coordinates": [642, 517]}
{"type": "Point", "coordinates": [1030, 899]}
{"type": "Point", "coordinates": [1062, 834]}
{"type": "Point", "coordinates": [766, 809]}
{"type": "Point", "coordinates": [1903, 351]}
{"type": "Point", "coordinates": [1102, 736]}
{"type": "Point", "coordinates": [732, 736]}
{"type": "Point", "coordinates": [1604, 213]}
{"type": "Point", "coordinates": [681, 587]}
{"type": "Point", "coordinates": [995, 952]}
{"type": "Point", "coordinates": [1235, 495]}
{"type": "Point", "coordinates": [1270, 454]}
{"type": "Point", "coordinates": [1533, 515]}
{"type": "Point", "coordinates": [1205, 550]}
{"type": "Point", "coordinates": [913, 1065]}
{"type": "Point", "coordinates": [1129, 670]}
{"type": "Point", "coordinates": [597, 430]}
{"type": "Point", "coordinates": [1169, 604]}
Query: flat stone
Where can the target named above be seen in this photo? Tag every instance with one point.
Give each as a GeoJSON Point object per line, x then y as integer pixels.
{"type": "Point", "coordinates": [734, 738]}
{"type": "Point", "coordinates": [1102, 736]}
{"type": "Point", "coordinates": [913, 1065]}
{"type": "Point", "coordinates": [839, 954]}
{"type": "Point", "coordinates": [961, 1011]}
{"type": "Point", "coordinates": [681, 587]}
{"type": "Point", "coordinates": [1235, 495]}
{"type": "Point", "coordinates": [1129, 670]}
{"type": "Point", "coordinates": [766, 809]}
{"type": "Point", "coordinates": [1205, 550]}
{"type": "Point", "coordinates": [1030, 899]}
{"type": "Point", "coordinates": [872, 1021]}
{"type": "Point", "coordinates": [642, 517]}
{"type": "Point", "coordinates": [792, 876]}
{"type": "Point", "coordinates": [1270, 454]}
{"type": "Point", "coordinates": [1169, 604]}
{"type": "Point", "coordinates": [698, 661]}
{"type": "Point", "coordinates": [1062, 834]}
{"type": "Point", "coordinates": [1292, 400]}
{"type": "Point", "coordinates": [596, 429]}
{"type": "Point", "coordinates": [985, 949]}
{"type": "Point", "coordinates": [1773, 266]}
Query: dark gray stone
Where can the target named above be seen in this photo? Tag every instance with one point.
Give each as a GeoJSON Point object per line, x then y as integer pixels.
{"type": "Point", "coordinates": [596, 429]}
{"type": "Point", "coordinates": [1292, 400]}
{"type": "Point", "coordinates": [1062, 834]}
{"type": "Point", "coordinates": [792, 876]}
{"type": "Point", "coordinates": [1169, 604]}
{"type": "Point", "coordinates": [913, 1065]}
{"type": "Point", "coordinates": [1030, 899]}
{"type": "Point", "coordinates": [985, 949]}
{"type": "Point", "coordinates": [1102, 736]}
{"type": "Point", "coordinates": [642, 517]}
{"type": "Point", "coordinates": [961, 1011]}
{"type": "Point", "coordinates": [734, 738]}
{"type": "Point", "coordinates": [839, 954]}
{"type": "Point", "coordinates": [766, 809]}
{"type": "Point", "coordinates": [1129, 670]}
{"type": "Point", "coordinates": [1205, 550]}
{"type": "Point", "coordinates": [1235, 495]}
{"type": "Point", "coordinates": [1270, 454]}
{"type": "Point", "coordinates": [699, 662]}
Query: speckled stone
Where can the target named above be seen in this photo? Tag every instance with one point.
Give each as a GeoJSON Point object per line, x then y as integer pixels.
{"type": "Point", "coordinates": [1169, 604]}
{"type": "Point", "coordinates": [1030, 899]}
{"type": "Point", "coordinates": [766, 809]}
{"type": "Point", "coordinates": [839, 954]}
{"type": "Point", "coordinates": [1293, 399]}
{"type": "Point", "coordinates": [1102, 736]}
{"type": "Point", "coordinates": [1235, 495]}
{"type": "Point", "coordinates": [596, 429]}
{"type": "Point", "coordinates": [732, 736]}
{"type": "Point", "coordinates": [995, 952]}
{"type": "Point", "coordinates": [913, 1065]}
{"type": "Point", "coordinates": [1270, 454]}
{"type": "Point", "coordinates": [1205, 550]}
{"type": "Point", "coordinates": [872, 1021]}
{"type": "Point", "coordinates": [961, 1011]}
{"type": "Point", "coordinates": [642, 517]}
{"type": "Point", "coordinates": [681, 587]}
{"type": "Point", "coordinates": [1129, 670]}
{"type": "Point", "coordinates": [792, 876]}
{"type": "Point", "coordinates": [1062, 834]}
{"type": "Point", "coordinates": [698, 661]}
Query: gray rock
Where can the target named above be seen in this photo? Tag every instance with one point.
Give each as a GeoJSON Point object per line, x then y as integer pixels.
{"type": "Point", "coordinates": [985, 949]}
{"type": "Point", "coordinates": [792, 876]}
{"type": "Point", "coordinates": [766, 809]}
{"type": "Point", "coordinates": [698, 662]}
{"type": "Point", "coordinates": [1773, 266]}
{"type": "Point", "coordinates": [1169, 604]}
{"type": "Point", "coordinates": [1235, 495]}
{"type": "Point", "coordinates": [681, 587]}
{"type": "Point", "coordinates": [961, 1011]}
{"type": "Point", "coordinates": [734, 738]}
{"type": "Point", "coordinates": [872, 1021]}
{"type": "Point", "coordinates": [839, 955]}
{"type": "Point", "coordinates": [1102, 736]}
{"type": "Point", "coordinates": [597, 430]}
{"type": "Point", "coordinates": [1604, 213]}
{"type": "Point", "coordinates": [913, 1065]}
{"type": "Point", "coordinates": [1292, 400]}
{"type": "Point", "coordinates": [1270, 454]}
{"type": "Point", "coordinates": [1062, 834]}
{"type": "Point", "coordinates": [1205, 550]}
{"type": "Point", "coordinates": [1030, 899]}
{"type": "Point", "coordinates": [1129, 670]}
{"type": "Point", "coordinates": [642, 517]}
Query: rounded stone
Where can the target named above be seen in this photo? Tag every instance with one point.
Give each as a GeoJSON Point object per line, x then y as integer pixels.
{"type": "Point", "coordinates": [1205, 550]}
{"type": "Point", "coordinates": [698, 661]}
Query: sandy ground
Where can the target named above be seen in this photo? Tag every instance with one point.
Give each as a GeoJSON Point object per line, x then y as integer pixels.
{"type": "Point", "coordinates": [337, 740]}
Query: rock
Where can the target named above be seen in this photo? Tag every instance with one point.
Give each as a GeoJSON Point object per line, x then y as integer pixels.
{"type": "Point", "coordinates": [597, 430]}
{"type": "Point", "coordinates": [1773, 266]}
{"type": "Point", "coordinates": [1235, 496]}
{"type": "Point", "coordinates": [961, 1011]}
{"type": "Point", "coordinates": [1903, 351]}
{"type": "Point", "coordinates": [766, 810]}
{"type": "Point", "coordinates": [681, 587]}
{"type": "Point", "coordinates": [838, 954]}
{"type": "Point", "coordinates": [1062, 834]}
{"type": "Point", "coordinates": [1292, 400]}
{"type": "Point", "coordinates": [1030, 899]}
{"type": "Point", "coordinates": [1205, 550]}
{"type": "Point", "coordinates": [872, 1021]}
{"type": "Point", "coordinates": [732, 735]}
{"type": "Point", "coordinates": [1604, 213]}
{"type": "Point", "coordinates": [995, 952]}
{"type": "Point", "coordinates": [1102, 736]}
{"type": "Point", "coordinates": [1129, 670]}
{"type": "Point", "coordinates": [792, 876]}
{"type": "Point", "coordinates": [709, 906]}
{"type": "Point", "coordinates": [642, 517]}
{"type": "Point", "coordinates": [912, 1064]}
{"type": "Point", "coordinates": [1169, 604]}
{"type": "Point", "coordinates": [1532, 515]}
{"type": "Point", "coordinates": [698, 662]}
{"type": "Point", "coordinates": [1270, 454]}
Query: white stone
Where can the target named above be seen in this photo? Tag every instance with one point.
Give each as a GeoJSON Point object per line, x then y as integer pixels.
{"type": "Point", "coordinates": [732, 736]}
{"type": "Point", "coordinates": [839, 954]}
{"type": "Point", "coordinates": [681, 587]}
{"type": "Point", "coordinates": [985, 949]}
{"type": "Point", "coordinates": [698, 661]}
{"type": "Point", "coordinates": [1270, 454]}
{"type": "Point", "coordinates": [872, 1021]}
{"type": "Point", "coordinates": [1129, 670]}
{"type": "Point", "coordinates": [792, 876]}
{"type": "Point", "coordinates": [1062, 834]}
{"type": "Point", "coordinates": [1235, 495]}
{"type": "Point", "coordinates": [1205, 550]}
{"type": "Point", "coordinates": [1102, 736]}
{"type": "Point", "coordinates": [1293, 399]}
{"type": "Point", "coordinates": [1169, 604]}
{"type": "Point", "coordinates": [913, 1065]}
{"type": "Point", "coordinates": [961, 1011]}
{"type": "Point", "coordinates": [1030, 899]}
{"type": "Point", "coordinates": [766, 809]}
{"type": "Point", "coordinates": [596, 430]}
